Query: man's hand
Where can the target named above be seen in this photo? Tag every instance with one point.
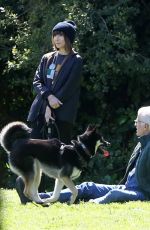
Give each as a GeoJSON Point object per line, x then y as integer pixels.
{"type": "Point", "coordinates": [54, 101]}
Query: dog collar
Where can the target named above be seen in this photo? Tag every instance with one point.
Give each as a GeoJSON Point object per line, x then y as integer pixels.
{"type": "Point", "coordinates": [84, 148]}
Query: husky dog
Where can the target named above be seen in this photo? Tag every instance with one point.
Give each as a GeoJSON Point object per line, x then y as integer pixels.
{"type": "Point", "coordinates": [28, 158]}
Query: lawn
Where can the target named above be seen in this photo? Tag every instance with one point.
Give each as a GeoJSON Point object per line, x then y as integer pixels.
{"type": "Point", "coordinates": [115, 216]}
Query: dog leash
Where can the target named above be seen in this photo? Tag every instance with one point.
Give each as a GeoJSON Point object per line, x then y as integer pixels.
{"type": "Point", "coordinates": [49, 129]}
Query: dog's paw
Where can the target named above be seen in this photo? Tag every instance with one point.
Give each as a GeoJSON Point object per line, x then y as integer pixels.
{"type": "Point", "coordinates": [68, 203]}
{"type": "Point", "coordinates": [45, 204]}
{"type": "Point", "coordinates": [41, 204]}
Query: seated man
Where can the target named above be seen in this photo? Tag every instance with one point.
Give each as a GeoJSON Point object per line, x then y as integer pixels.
{"type": "Point", "coordinates": [134, 186]}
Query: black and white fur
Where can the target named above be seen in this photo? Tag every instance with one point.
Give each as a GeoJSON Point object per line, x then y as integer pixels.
{"type": "Point", "coordinates": [30, 157]}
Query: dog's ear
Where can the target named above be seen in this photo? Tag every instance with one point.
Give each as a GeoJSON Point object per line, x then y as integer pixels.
{"type": "Point", "coordinates": [91, 127]}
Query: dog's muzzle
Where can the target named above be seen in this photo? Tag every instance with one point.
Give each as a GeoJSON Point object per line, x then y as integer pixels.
{"type": "Point", "coordinates": [100, 145]}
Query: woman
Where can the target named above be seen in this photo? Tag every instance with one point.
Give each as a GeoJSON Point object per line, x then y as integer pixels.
{"type": "Point", "coordinates": [57, 84]}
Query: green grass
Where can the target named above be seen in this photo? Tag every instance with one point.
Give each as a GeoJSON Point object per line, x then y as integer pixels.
{"type": "Point", "coordinates": [115, 216]}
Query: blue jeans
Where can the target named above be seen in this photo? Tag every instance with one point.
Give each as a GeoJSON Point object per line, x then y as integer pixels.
{"type": "Point", "coordinates": [100, 193]}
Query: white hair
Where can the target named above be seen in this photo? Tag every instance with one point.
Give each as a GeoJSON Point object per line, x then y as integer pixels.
{"type": "Point", "coordinates": [144, 114]}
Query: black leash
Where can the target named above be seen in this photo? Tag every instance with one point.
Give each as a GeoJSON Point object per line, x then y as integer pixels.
{"type": "Point", "coordinates": [48, 130]}
{"type": "Point", "coordinates": [49, 127]}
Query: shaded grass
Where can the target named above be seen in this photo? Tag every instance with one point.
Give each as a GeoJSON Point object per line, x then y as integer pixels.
{"type": "Point", "coordinates": [115, 216]}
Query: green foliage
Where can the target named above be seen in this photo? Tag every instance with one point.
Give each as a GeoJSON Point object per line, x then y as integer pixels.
{"type": "Point", "coordinates": [112, 38]}
{"type": "Point", "coordinates": [14, 35]}
{"type": "Point", "coordinates": [115, 74]}
{"type": "Point", "coordinates": [13, 61]}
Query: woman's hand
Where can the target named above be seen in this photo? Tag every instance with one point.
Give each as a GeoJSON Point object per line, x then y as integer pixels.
{"type": "Point", "coordinates": [48, 114]}
{"type": "Point", "coordinates": [54, 102]}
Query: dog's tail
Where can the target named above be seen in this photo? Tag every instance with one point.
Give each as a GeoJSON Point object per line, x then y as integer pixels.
{"type": "Point", "coordinates": [11, 132]}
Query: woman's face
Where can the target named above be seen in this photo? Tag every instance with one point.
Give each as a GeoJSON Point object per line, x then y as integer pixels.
{"type": "Point", "coordinates": [59, 41]}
